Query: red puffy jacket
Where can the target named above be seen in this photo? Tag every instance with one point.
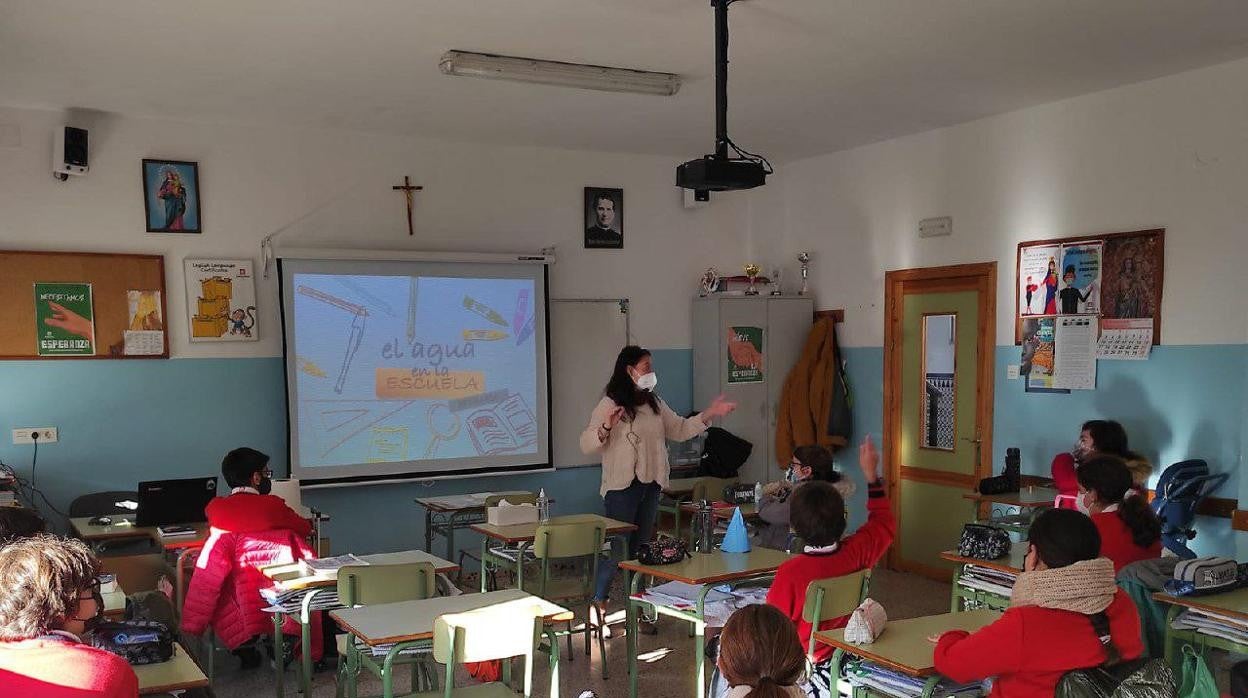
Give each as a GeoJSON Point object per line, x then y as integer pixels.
{"type": "Point", "coordinates": [225, 589]}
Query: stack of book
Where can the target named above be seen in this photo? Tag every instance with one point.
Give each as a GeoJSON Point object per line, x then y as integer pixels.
{"type": "Point", "coordinates": [291, 600]}
{"type": "Point", "coordinates": [988, 579]}
{"type": "Point", "coordinates": [1214, 624]}
{"type": "Point", "coordinates": [382, 650]}
{"type": "Point", "coordinates": [893, 683]}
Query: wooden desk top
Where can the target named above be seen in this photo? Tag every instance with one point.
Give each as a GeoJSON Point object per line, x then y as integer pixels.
{"type": "Point", "coordinates": [903, 646]}
{"type": "Point", "coordinates": [1012, 563]}
{"type": "Point", "coordinates": [177, 674]}
{"type": "Point", "coordinates": [123, 527]}
{"type": "Point", "coordinates": [749, 510]}
{"type": "Point", "coordinates": [405, 621]}
{"type": "Point", "coordinates": [713, 568]}
{"type": "Point", "coordinates": [1029, 497]}
{"type": "Point", "coordinates": [461, 502]}
{"type": "Point", "coordinates": [1232, 603]}
{"type": "Point", "coordinates": [291, 576]}
{"type": "Point", "coordinates": [521, 533]}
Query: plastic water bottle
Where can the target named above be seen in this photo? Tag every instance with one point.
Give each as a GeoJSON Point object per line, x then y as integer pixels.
{"type": "Point", "coordinates": [543, 506]}
{"type": "Point", "coordinates": [758, 492]}
{"type": "Point", "coordinates": [706, 527]}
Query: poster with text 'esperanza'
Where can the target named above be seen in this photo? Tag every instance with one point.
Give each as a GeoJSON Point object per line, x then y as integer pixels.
{"type": "Point", "coordinates": [64, 319]}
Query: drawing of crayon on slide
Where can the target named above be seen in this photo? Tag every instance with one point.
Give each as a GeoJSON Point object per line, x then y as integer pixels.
{"type": "Point", "coordinates": [484, 311]}
{"type": "Point", "coordinates": [484, 335]}
{"type": "Point", "coordinates": [359, 316]}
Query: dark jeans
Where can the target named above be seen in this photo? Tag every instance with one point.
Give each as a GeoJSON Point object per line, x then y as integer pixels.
{"type": "Point", "coordinates": [638, 504]}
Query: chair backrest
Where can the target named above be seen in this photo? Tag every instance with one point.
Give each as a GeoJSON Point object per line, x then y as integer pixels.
{"type": "Point", "coordinates": [1065, 501]}
{"type": "Point", "coordinates": [563, 538]}
{"type": "Point", "coordinates": [711, 488]}
{"type": "Point", "coordinates": [486, 634]}
{"type": "Point", "coordinates": [365, 585]}
{"type": "Point", "coordinates": [514, 498]}
{"type": "Point", "coordinates": [100, 503]}
{"type": "Point", "coordinates": [833, 597]}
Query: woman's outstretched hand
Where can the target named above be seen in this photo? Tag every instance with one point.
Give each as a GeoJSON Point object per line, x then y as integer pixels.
{"type": "Point", "coordinates": [719, 407]}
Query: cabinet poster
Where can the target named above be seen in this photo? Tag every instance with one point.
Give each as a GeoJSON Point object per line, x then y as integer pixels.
{"type": "Point", "coordinates": [745, 355]}
{"type": "Point", "coordinates": [221, 300]}
{"type": "Point", "coordinates": [64, 319]}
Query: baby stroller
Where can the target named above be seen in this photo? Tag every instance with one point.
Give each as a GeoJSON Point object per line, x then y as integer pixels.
{"type": "Point", "coordinates": [1181, 489]}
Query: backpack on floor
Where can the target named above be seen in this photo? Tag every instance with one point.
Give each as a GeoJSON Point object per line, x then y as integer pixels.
{"type": "Point", "coordinates": [1139, 678]}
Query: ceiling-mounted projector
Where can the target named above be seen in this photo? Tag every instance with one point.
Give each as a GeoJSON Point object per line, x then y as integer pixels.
{"type": "Point", "coordinates": [720, 171]}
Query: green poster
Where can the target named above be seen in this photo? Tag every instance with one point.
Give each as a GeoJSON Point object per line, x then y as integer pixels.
{"type": "Point", "coordinates": [745, 355]}
{"type": "Point", "coordinates": [64, 320]}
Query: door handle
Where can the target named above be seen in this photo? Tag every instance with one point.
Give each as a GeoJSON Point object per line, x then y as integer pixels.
{"type": "Point", "coordinates": [978, 452]}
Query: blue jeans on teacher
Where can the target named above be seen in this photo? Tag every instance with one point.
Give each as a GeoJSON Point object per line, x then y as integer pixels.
{"type": "Point", "coordinates": [637, 504]}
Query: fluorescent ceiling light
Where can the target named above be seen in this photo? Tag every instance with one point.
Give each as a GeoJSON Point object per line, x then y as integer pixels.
{"type": "Point", "coordinates": [586, 77]}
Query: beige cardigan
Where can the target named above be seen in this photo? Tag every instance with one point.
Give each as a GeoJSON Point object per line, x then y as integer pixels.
{"type": "Point", "coordinates": [644, 455]}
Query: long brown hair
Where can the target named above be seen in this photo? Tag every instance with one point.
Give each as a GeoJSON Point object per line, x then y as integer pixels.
{"type": "Point", "coordinates": [759, 648]}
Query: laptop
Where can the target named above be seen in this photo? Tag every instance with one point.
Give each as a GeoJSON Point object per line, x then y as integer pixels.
{"type": "Point", "coordinates": [163, 502]}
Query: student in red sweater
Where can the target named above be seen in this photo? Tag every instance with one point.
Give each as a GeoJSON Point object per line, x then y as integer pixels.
{"type": "Point", "coordinates": [49, 597]}
{"type": "Point", "coordinates": [250, 507]}
{"type": "Point", "coordinates": [1048, 629]}
{"type": "Point", "coordinates": [1097, 436]}
{"type": "Point", "coordinates": [1129, 529]}
{"type": "Point", "coordinates": [817, 514]}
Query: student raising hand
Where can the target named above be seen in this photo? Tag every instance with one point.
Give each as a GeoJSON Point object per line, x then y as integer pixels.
{"type": "Point", "coordinates": [869, 461]}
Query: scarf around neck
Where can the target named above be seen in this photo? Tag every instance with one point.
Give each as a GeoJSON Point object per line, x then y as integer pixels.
{"type": "Point", "coordinates": [1085, 587]}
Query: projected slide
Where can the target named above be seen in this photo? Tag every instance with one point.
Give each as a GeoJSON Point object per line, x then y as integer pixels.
{"type": "Point", "coordinates": [391, 369]}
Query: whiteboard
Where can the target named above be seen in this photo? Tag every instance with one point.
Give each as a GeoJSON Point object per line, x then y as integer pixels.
{"type": "Point", "coordinates": [585, 337]}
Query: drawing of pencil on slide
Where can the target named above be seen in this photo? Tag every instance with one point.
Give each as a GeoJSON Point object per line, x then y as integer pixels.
{"type": "Point", "coordinates": [359, 317]}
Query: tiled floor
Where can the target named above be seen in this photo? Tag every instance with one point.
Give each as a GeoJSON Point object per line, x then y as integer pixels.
{"type": "Point", "coordinates": [666, 657]}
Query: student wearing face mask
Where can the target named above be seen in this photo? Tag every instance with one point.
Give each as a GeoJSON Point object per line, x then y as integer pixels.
{"type": "Point", "coordinates": [629, 429]}
{"type": "Point", "coordinates": [1065, 594]}
{"type": "Point", "coordinates": [250, 507]}
{"type": "Point", "coordinates": [809, 464]}
{"type": "Point", "coordinates": [1129, 529]}
{"type": "Point", "coordinates": [49, 598]}
{"type": "Point", "coordinates": [1098, 436]}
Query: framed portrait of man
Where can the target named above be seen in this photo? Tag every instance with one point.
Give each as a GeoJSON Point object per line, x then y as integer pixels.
{"type": "Point", "coordinates": [604, 218]}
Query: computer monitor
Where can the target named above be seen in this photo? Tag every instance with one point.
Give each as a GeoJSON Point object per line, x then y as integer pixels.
{"type": "Point", "coordinates": [164, 502]}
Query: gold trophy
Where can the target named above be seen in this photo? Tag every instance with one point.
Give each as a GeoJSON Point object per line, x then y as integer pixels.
{"type": "Point", "coordinates": [751, 271]}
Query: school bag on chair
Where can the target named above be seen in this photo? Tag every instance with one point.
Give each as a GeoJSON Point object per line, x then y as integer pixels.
{"type": "Point", "coordinates": [724, 453]}
{"type": "Point", "coordinates": [1137, 678]}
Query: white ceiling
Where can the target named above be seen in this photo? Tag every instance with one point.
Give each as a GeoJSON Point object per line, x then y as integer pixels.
{"type": "Point", "coordinates": [808, 76]}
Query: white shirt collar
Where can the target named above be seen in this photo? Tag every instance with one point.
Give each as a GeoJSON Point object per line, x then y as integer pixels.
{"type": "Point", "coordinates": [1108, 509]}
{"type": "Point", "coordinates": [248, 490]}
{"type": "Point", "coordinates": [821, 549]}
{"type": "Point", "coordinates": [67, 635]}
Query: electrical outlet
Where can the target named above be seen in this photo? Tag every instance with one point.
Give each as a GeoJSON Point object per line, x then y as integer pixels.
{"type": "Point", "coordinates": [47, 435]}
{"type": "Point", "coordinates": [1011, 371]}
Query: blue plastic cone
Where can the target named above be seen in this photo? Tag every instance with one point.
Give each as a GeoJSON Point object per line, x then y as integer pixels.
{"type": "Point", "coordinates": [736, 540]}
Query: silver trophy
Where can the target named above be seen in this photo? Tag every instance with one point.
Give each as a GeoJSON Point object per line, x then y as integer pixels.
{"type": "Point", "coordinates": [775, 281]}
{"type": "Point", "coordinates": [804, 258]}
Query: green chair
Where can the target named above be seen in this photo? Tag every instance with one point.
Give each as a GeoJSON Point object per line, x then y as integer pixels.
{"type": "Point", "coordinates": [496, 557]}
{"type": "Point", "coordinates": [833, 597]}
{"type": "Point", "coordinates": [490, 634]}
{"type": "Point", "coordinates": [579, 540]}
{"type": "Point", "coordinates": [367, 585]}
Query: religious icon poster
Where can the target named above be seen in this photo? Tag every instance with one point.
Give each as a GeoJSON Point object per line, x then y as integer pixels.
{"type": "Point", "coordinates": [171, 198]}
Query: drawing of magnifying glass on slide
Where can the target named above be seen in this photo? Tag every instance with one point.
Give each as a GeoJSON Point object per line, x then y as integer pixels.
{"type": "Point", "coordinates": [443, 424]}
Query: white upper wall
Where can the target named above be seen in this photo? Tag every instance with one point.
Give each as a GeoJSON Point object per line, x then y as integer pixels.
{"type": "Point", "coordinates": [1169, 153]}
{"type": "Point", "coordinates": [332, 189]}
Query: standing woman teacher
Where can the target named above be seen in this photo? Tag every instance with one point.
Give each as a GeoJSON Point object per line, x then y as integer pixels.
{"type": "Point", "coordinates": [629, 428]}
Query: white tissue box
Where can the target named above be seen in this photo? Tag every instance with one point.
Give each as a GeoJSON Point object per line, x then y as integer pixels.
{"type": "Point", "coordinates": [510, 514]}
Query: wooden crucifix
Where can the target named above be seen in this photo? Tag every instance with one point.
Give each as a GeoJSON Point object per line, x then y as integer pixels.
{"type": "Point", "coordinates": [408, 192]}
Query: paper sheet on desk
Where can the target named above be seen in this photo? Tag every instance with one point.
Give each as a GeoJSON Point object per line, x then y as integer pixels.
{"type": "Point", "coordinates": [688, 592]}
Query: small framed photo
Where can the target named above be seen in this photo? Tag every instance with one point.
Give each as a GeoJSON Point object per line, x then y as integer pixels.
{"type": "Point", "coordinates": [604, 218]}
{"type": "Point", "coordinates": [171, 201]}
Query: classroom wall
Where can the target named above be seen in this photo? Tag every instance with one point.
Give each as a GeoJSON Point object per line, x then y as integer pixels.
{"type": "Point", "coordinates": [1166, 153]}
{"type": "Point", "coordinates": [124, 421]}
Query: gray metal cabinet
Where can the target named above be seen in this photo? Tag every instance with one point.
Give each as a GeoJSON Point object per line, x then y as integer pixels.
{"type": "Point", "coordinates": [785, 321]}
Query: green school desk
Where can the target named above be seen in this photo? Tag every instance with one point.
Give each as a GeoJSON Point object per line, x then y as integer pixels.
{"type": "Point", "coordinates": [1011, 564]}
{"type": "Point", "coordinates": [1233, 604]}
{"type": "Point", "coordinates": [1030, 501]}
{"type": "Point", "coordinates": [175, 676]}
{"type": "Point", "coordinates": [705, 570]}
{"type": "Point", "coordinates": [443, 515]}
{"type": "Point", "coordinates": [522, 535]}
{"type": "Point", "coordinates": [406, 623]}
{"type": "Point", "coordinates": [182, 549]}
{"type": "Point", "coordinates": [290, 576]}
{"type": "Point", "coordinates": [903, 646]}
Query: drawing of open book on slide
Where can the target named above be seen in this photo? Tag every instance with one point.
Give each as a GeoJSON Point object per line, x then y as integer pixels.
{"type": "Point", "coordinates": [504, 428]}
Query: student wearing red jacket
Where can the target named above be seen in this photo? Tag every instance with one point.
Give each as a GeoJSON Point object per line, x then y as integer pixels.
{"type": "Point", "coordinates": [250, 507]}
{"type": "Point", "coordinates": [1129, 529]}
{"type": "Point", "coordinates": [49, 597]}
{"type": "Point", "coordinates": [1048, 629]}
{"type": "Point", "coordinates": [817, 514]}
{"type": "Point", "coordinates": [1097, 436]}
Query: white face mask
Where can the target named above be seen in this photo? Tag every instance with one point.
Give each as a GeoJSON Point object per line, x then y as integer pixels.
{"type": "Point", "coordinates": [647, 381]}
{"type": "Point", "coordinates": [1081, 505]}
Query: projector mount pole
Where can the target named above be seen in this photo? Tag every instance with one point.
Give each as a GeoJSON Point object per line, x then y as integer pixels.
{"type": "Point", "coordinates": [721, 78]}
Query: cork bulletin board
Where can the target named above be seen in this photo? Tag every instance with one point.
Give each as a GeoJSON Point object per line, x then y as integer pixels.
{"type": "Point", "coordinates": [119, 284]}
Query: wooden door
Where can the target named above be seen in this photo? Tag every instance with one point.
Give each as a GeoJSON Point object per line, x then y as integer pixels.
{"type": "Point", "coordinates": [939, 342]}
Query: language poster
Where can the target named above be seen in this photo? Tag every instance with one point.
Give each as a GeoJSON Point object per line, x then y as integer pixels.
{"type": "Point", "coordinates": [1081, 279]}
{"type": "Point", "coordinates": [64, 319]}
{"type": "Point", "coordinates": [1039, 359]}
{"type": "Point", "coordinates": [1038, 280]}
{"type": "Point", "coordinates": [745, 355]}
{"type": "Point", "coordinates": [221, 300]}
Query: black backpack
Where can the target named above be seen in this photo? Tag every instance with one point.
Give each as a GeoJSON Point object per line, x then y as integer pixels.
{"type": "Point", "coordinates": [137, 641]}
{"type": "Point", "coordinates": [724, 453]}
{"type": "Point", "coordinates": [1138, 678]}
